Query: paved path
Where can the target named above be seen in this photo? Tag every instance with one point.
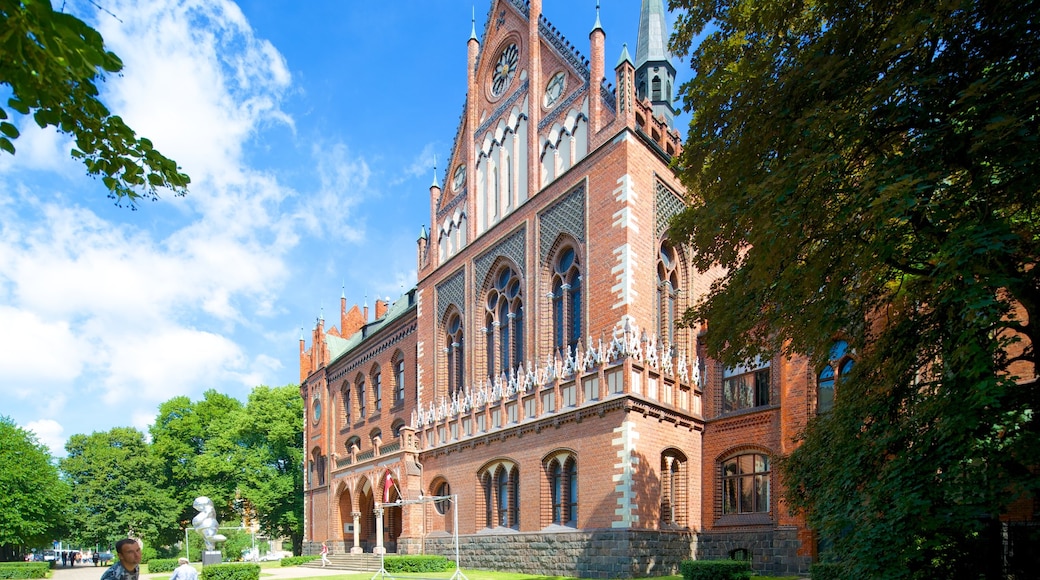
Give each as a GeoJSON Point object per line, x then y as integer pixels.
{"type": "Point", "coordinates": [89, 572]}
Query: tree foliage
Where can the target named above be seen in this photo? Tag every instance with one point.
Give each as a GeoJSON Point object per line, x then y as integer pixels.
{"type": "Point", "coordinates": [115, 492]}
{"type": "Point", "coordinates": [868, 171]}
{"type": "Point", "coordinates": [271, 429]}
{"type": "Point", "coordinates": [32, 496]}
{"type": "Point", "coordinates": [52, 62]}
{"type": "Point", "coordinates": [194, 445]}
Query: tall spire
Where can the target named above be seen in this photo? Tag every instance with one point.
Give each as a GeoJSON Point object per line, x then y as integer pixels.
{"type": "Point", "coordinates": [473, 25]}
{"type": "Point", "coordinates": [655, 74]}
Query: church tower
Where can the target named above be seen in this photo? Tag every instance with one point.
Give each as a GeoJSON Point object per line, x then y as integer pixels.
{"type": "Point", "coordinates": [655, 74]}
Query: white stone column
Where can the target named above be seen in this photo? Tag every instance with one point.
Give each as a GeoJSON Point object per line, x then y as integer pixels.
{"type": "Point", "coordinates": [357, 533]}
{"type": "Point", "coordinates": [379, 549]}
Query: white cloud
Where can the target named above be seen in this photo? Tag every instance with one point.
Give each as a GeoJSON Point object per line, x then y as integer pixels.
{"type": "Point", "coordinates": [423, 164]}
{"type": "Point", "coordinates": [344, 184]}
{"type": "Point", "coordinates": [195, 80]}
{"type": "Point", "coordinates": [49, 433]}
{"type": "Point", "coordinates": [33, 350]}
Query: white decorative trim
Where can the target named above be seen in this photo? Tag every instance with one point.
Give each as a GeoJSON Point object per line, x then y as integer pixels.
{"type": "Point", "coordinates": [624, 275]}
{"type": "Point", "coordinates": [626, 341]}
{"type": "Point", "coordinates": [625, 468]}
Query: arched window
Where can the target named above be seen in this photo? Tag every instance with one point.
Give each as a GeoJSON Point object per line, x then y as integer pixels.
{"type": "Point", "coordinates": [442, 489]}
{"type": "Point", "coordinates": [377, 389]}
{"type": "Point", "coordinates": [502, 495]}
{"type": "Point", "coordinates": [399, 379]}
{"type": "Point", "coordinates": [504, 317]}
{"type": "Point", "coordinates": [839, 365]}
{"type": "Point", "coordinates": [347, 418]}
{"type": "Point", "coordinates": [673, 489]}
{"type": "Point", "coordinates": [455, 351]}
{"type": "Point", "coordinates": [361, 399]}
{"type": "Point", "coordinates": [655, 87]}
{"type": "Point", "coordinates": [745, 484]}
{"type": "Point", "coordinates": [353, 442]}
{"type": "Point", "coordinates": [566, 301]}
{"type": "Point", "coordinates": [667, 291]}
{"type": "Point", "coordinates": [563, 490]}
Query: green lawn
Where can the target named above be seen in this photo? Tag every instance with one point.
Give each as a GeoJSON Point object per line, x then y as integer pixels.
{"type": "Point", "coordinates": [486, 575]}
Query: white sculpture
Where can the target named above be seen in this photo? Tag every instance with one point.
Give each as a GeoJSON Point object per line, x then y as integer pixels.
{"type": "Point", "coordinates": [205, 522]}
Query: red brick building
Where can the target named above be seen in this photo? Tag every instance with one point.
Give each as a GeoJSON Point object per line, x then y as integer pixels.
{"type": "Point", "coordinates": [536, 370]}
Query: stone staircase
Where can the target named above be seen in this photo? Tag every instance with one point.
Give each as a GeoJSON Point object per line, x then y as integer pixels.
{"type": "Point", "coordinates": [355, 562]}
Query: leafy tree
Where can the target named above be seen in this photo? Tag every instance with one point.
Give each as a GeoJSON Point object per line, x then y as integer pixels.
{"type": "Point", "coordinates": [115, 494]}
{"type": "Point", "coordinates": [52, 61]}
{"type": "Point", "coordinates": [868, 171]}
{"type": "Point", "coordinates": [193, 443]}
{"type": "Point", "coordinates": [33, 499]}
{"type": "Point", "coordinates": [271, 429]}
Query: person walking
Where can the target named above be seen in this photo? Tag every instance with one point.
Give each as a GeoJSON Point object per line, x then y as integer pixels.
{"type": "Point", "coordinates": [96, 558]}
{"type": "Point", "coordinates": [128, 566]}
{"type": "Point", "coordinates": [324, 554]}
{"type": "Point", "coordinates": [185, 571]}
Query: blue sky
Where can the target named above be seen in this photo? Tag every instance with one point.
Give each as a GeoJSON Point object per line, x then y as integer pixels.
{"type": "Point", "coordinates": [310, 131]}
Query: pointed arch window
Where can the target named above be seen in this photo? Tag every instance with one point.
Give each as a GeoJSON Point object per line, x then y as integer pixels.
{"type": "Point", "coordinates": [563, 490]}
{"type": "Point", "coordinates": [839, 365]}
{"type": "Point", "coordinates": [377, 389]}
{"type": "Point", "coordinates": [361, 399]}
{"type": "Point", "coordinates": [566, 300]}
{"type": "Point", "coordinates": [399, 379]}
{"type": "Point", "coordinates": [674, 474]}
{"type": "Point", "coordinates": [667, 291]}
{"type": "Point", "coordinates": [346, 403]}
{"type": "Point", "coordinates": [502, 496]}
{"type": "Point", "coordinates": [456, 352]}
{"type": "Point", "coordinates": [504, 317]}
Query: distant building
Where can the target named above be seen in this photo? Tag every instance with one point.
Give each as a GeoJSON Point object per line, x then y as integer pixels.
{"type": "Point", "coordinates": [536, 370]}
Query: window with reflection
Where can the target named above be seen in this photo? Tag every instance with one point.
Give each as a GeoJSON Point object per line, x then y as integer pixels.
{"type": "Point", "coordinates": [838, 366]}
{"type": "Point", "coordinates": [504, 323]}
{"type": "Point", "coordinates": [566, 301]}
{"type": "Point", "coordinates": [361, 398]}
{"type": "Point", "coordinates": [563, 490]}
{"type": "Point", "coordinates": [501, 485]}
{"type": "Point", "coordinates": [744, 388]}
{"type": "Point", "coordinates": [745, 484]}
{"type": "Point", "coordinates": [455, 351]}
{"type": "Point", "coordinates": [667, 291]}
{"type": "Point", "coordinates": [399, 379]}
{"type": "Point", "coordinates": [377, 389]}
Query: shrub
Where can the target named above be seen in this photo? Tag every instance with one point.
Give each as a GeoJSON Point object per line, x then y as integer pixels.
{"type": "Point", "coordinates": [825, 571]}
{"type": "Point", "coordinates": [715, 569]}
{"type": "Point", "coordinates": [297, 560]}
{"type": "Point", "coordinates": [231, 572]}
{"type": "Point", "coordinates": [162, 565]}
{"type": "Point", "coordinates": [24, 569]}
{"type": "Point", "coordinates": [397, 564]}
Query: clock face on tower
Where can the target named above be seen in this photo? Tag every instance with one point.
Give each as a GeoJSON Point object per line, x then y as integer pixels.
{"type": "Point", "coordinates": [554, 90]}
{"type": "Point", "coordinates": [505, 66]}
{"type": "Point", "coordinates": [459, 178]}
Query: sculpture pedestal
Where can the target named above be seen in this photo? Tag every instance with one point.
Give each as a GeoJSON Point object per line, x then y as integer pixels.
{"type": "Point", "coordinates": [211, 557]}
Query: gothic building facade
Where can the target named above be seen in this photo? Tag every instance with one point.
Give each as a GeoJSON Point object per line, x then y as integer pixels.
{"type": "Point", "coordinates": [536, 374]}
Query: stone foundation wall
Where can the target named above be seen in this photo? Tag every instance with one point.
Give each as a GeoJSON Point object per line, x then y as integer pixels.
{"type": "Point", "coordinates": [772, 551]}
{"type": "Point", "coordinates": [584, 554]}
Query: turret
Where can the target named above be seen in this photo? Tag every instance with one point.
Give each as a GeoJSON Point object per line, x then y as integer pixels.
{"type": "Point", "coordinates": [655, 74]}
{"type": "Point", "coordinates": [597, 39]}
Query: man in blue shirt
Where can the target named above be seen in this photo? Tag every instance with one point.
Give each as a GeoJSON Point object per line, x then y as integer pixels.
{"type": "Point", "coordinates": [185, 571]}
{"type": "Point", "coordinates": [128, 567]}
